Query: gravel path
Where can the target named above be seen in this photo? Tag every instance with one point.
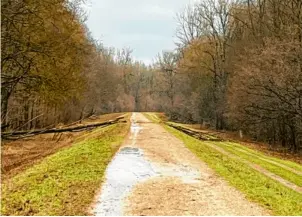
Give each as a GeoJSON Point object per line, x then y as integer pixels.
{"type": "Point", "coordinates": [155, 174]}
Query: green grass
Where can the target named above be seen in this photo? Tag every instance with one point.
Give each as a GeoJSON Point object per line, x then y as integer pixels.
{"type": "Point", "coordinates": [250, 151]}
{"type": "Point", "coordinates": [287, 163]}
{"type": "Point", "coordinates": [152, 117]}
{"type": "Point", "coordinates": [260, 159]}
{"type": "Point", "coordinates": [282, 172]}
{"type": "Point", "coordinates": [66, 182]}
{"type": "Point", "coordinates": [256, 186]}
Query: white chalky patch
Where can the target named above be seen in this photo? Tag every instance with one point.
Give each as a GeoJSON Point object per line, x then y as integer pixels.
{"type": "Point", "coordinates": [128, 168]}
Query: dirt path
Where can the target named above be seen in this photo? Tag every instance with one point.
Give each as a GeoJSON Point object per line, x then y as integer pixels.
{"type": "Point", "coordinates": [155, 174]}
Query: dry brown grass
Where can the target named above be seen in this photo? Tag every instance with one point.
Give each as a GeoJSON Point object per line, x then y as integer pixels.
{"type": "Point", "coordinates": [18, 155]}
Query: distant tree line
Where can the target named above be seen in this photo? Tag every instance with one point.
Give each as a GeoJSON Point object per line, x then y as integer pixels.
{"type": "Point", "coordinates": [243, 66]}
{"type": "Point", "coordinates": [53, 71]}
{"type": "Point", "coordinates": [237, 66]}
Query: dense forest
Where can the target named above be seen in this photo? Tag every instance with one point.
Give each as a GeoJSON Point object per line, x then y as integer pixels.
{"type": "Point", "coordinates": [237, 66]}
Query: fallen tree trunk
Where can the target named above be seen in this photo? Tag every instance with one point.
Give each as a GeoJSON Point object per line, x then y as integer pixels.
{"type": "Point", "coordinates": [4, 126]}
{"type": "Point", "coordinates": [195, 134]}
{"type": "Point", "coordinates": [10, 135]}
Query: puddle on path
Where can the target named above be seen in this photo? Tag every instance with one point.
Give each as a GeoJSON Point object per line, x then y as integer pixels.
{"type": "Point", "coordinates": [127, 168]}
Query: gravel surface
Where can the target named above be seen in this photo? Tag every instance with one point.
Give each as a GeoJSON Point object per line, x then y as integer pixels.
{"type": "Point", "coordinates": [155, 174]}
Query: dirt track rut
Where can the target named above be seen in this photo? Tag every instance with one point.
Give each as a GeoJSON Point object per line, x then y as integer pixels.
{"type": "Point", "coordinates": [155, 174]}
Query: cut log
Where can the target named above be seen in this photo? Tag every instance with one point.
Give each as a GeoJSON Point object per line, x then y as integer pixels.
{"type": "Point", "coordinates": [8, 135]}
{"type": "Point", "coordinates": [4, 126]}
{"type": "Point", "coordinates": [193, 133]}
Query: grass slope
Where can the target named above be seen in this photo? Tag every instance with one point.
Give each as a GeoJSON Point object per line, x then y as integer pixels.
{"type": "Point", "coordinates": [288, 170]}
{"type": "Point", "coordinates": [256, 186]}
{"type": "Point", "coordinates": [282, 172]}
{"type": "Point", "coordinates": [64, 183]}
{"type": "Point", "coordinates": [152, 117]}
{"type": "Point", "coordinates": [287, 163]}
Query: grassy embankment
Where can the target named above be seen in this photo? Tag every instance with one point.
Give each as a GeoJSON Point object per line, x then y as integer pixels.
{"type": "Point", "coordinates": [279, 167]}
{"type": "Point", "coordinates": [256, 186]}
{"type": "Point", "coordinates": [66, 182]}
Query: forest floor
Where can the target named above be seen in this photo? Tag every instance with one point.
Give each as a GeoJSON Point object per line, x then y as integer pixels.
{"type": "Point", "coordinates": [152, 170]}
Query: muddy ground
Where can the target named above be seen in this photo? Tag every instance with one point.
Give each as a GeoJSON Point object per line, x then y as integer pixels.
{"type": "Point", "coordinates": [20, 154]}
{"type": "Point", "coordinates": [155, 174]}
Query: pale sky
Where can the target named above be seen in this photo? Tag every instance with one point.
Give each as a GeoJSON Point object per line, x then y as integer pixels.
{"type": "Point", "coordinates": [146, 26]}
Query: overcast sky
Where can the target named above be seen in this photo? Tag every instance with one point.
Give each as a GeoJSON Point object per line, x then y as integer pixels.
{"type": "Point", "coordinates": [146, 26]}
